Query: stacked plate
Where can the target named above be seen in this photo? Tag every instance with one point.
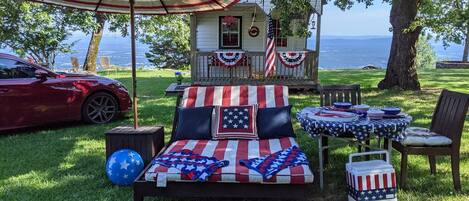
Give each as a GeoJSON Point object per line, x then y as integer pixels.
{"type": "Point", "coordinates": [375, 114]}
{"type": "Point", "coordinates": [334, 116]}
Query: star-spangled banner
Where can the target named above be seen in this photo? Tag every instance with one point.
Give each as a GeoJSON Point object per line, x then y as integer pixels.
{"type": "Point", "coordinates": [270, 165]}
{"type": "Point", "coordinates": [193, 166]}
{"type": "Point", "coordinates": [235, 122]}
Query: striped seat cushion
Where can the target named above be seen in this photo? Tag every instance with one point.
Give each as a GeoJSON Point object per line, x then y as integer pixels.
{"type": "Point", "coordinates": [265, 96]}
{"type": "Point", "coordinates": [233, 151]}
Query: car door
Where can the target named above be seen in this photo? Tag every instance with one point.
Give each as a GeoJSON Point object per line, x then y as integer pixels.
{"type": "Point", "coordinates": [27, 100]}
{"type": "Point", "coordinates": [16, 96]}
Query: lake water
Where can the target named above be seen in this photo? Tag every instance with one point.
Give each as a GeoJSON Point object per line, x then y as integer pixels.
{"type": "Point", "coordinates": [336, 51]}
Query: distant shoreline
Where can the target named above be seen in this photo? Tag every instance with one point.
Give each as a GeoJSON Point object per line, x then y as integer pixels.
{"type": "Point", "coordinates": [349, 52]}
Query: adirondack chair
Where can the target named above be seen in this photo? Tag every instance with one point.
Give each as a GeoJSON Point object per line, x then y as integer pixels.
{"type": "Point", "coordinates": [105, 63]}
{"type": "Point", "coordinates": [75, 64]}
{"type": "Point", "coordinates": [233, 181]}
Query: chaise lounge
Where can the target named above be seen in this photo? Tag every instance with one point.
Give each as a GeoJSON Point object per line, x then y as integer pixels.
{"type": "Point", "coordinates": [234, 180]}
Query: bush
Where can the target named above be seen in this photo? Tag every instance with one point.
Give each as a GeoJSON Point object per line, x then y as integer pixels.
{"type": "Point", "coordinates": [426, 56]}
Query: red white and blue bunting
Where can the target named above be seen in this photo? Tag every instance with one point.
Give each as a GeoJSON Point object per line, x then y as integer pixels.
{"type": "Point", "coordinates": [292, 59]}
{"type": "Point", "coordinates": [229, 58]}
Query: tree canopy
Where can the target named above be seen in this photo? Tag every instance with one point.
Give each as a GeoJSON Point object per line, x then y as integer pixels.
{"type": "Point", "coordinates": [448, 20]}
{"type": "Point", "coordinates": [168, 37]}
{"type": "Point", "coordinates": [34, 30]}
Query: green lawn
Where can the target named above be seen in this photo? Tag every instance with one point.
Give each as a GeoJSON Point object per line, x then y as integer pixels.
{"type": "Point", "coordinates": [66, 162]}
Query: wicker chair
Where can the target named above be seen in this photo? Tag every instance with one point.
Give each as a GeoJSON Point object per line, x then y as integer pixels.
{"type": "Point", "coordinates": [448, 120]}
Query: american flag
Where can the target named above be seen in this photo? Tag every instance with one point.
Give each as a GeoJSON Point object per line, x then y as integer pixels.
{"type": "Point", "coordinates": [236, 118]}
{"type": "Point", "coordinates": [270, 49]}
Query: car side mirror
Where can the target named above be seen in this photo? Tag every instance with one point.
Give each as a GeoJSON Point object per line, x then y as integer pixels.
{"type": "Point", "coordinates": [41, 74]}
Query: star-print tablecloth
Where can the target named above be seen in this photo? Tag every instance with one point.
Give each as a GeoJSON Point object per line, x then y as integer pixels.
{"type": "Point", "coordinates": [389, 128]}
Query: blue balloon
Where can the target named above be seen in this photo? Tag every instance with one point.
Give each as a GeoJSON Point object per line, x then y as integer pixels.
{"type": "Point", "coordinates": [123, 167]}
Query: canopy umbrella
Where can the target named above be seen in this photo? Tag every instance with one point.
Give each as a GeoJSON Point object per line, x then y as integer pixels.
{"type": "Point", "coordinates": [144, 7]}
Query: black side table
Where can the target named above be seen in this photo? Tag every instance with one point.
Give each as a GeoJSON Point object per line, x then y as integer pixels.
{"type": "Point", "coordinates": [146, 140]}
{"type": "Point", "coordinates": [178, 91]}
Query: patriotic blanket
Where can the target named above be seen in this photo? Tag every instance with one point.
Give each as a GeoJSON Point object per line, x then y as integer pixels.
{"type": "Point", "coordinates": [292, 59]}
{"type": "Point", "coordinates": [229, 58]}
{"type": "Point", "coordinates": [270, 165]}
{"type": "Point", "coordinates": [193, 166]}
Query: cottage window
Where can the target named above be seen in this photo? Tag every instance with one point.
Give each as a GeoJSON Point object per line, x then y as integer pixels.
{"type": "Point", "coordinates": [280, 41]}
{"type": "Point", "coordinates": [230, 33]}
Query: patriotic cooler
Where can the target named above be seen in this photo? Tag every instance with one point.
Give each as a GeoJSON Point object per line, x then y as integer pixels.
{"type": "Point", "coordinates": [371, 180]}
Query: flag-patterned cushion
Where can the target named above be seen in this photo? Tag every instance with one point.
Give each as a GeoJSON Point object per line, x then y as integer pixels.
{"type": "Point", "coordinates": [265, 96]}
{"type": "Point", "coordinates": [233, 151]}
{"type": "Point", "coordinates": [234, 122]}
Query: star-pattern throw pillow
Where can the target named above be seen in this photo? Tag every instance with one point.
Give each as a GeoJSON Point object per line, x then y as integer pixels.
{"type": "Point", "coordinates": [235, 122]}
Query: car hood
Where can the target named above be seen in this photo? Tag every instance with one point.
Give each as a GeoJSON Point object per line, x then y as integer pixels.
{"type": "Point", "coordinates": [78, 75]}
{"type": "Point", "coordinates": [85, 76]}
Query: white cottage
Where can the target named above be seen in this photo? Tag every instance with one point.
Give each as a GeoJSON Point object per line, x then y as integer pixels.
{"type": "Point", "coordinates": [228, 47]}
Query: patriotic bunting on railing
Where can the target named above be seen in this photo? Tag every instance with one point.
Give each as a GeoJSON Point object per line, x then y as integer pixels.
{"type": "Point", "coordinates": [229, 58]}
{"type": "Point", "coordinates": [292, 59]}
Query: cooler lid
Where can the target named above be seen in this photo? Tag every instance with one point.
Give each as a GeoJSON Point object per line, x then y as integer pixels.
{"type": "Point", "coordinates": [369, 166]}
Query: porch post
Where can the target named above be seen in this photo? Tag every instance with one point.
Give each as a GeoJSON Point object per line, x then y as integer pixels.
{"type": "Point", "coordinates": [193, 42]}
{"type": "Point", "coordinates": [317, 49]}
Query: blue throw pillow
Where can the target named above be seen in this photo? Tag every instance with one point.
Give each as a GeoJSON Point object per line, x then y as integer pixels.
{"type": "Point", "coordinates": [194, 123]}
{"type": "Point", "coordinates": [274, 123]}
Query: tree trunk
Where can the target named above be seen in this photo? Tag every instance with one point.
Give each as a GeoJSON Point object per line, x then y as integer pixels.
{"type": "Point", "coordinates": [466, 46]}
{"type": "Point", "coordinates": [93, 47]}
{"type": "Point", "coordinates": [401, 71]}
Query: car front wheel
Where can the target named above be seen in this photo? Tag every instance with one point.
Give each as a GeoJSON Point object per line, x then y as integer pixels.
{"type": "Point", "coordinates": [100, 108]}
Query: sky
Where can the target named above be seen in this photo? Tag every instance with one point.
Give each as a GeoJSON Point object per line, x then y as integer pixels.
{"type": "Point", "coordinates": [358, 21]}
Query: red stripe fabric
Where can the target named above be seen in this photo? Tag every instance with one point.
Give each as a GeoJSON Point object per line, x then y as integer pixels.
{"type": "Point", "coordinates": [266, 96]}
{"type": "Point", "coordinates": [279, 96]}
{"type": "Point", "coordinates": [145, 7]}
{"type": "Point", "coordinates": [393, 180]}
{"type": "Point", "coordinates": [243, 95]}
{"type": "Point", "coordinates": [199, 146]}
{"type": "Point", "coordinates": [360, 184]}
{"type": "Point", "coordinates": [242, 153]}
{"type": "Point", "coordinates": [376, 181]}
{"type": "Point", "coordinates": [368, 182]}
{"type": "Point", "coordinates": [385, 180]}
{"type": "Point", "coordinates": [226, 100]}
{"type": "Point", "coordinates": [209, 96]}
{"type": "Point", "coordinates": [261, 96]}
{"type": "Point", "coordinates": [191, 97]}
{"type": "Point", "coordinates": [219, 154]}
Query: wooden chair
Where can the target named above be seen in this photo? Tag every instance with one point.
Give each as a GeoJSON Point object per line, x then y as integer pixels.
{"type": "Point", "coordinates": [105, 63]}
{"type": "Point", "coordinates": [75, 64]}
{"type": "Point", "coordinates": [448, 120]}
{"type": "Point", "coordinates": [338, 93]}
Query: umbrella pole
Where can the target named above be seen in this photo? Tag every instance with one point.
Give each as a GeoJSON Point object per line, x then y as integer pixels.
{"type": "Point", "coordinates": [134, 73]}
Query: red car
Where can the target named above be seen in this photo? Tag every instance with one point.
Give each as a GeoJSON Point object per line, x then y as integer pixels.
{"type": "Point", "coordinates": [31, 95]}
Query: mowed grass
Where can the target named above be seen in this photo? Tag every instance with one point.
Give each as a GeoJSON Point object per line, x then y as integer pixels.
{"type": "Point", "coordinates": [66, 161]}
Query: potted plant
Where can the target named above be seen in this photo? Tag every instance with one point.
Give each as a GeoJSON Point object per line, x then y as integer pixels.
{"type": "Point", "coordinates": [179, 77]}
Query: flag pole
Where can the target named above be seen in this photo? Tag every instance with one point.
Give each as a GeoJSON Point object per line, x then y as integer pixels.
{"type": "Point", "coordinates": [134, 68]}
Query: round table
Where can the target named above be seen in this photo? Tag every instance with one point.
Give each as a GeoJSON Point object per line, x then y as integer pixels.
{"type": "Point", "coordinates": [388, 128]}
{"type": "Point", "coordinates": [361, 129]}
